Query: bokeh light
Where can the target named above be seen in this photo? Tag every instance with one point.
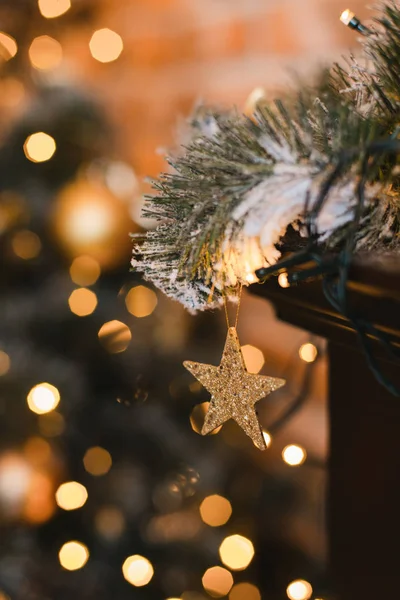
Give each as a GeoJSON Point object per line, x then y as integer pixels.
{"type": "Point", "coordinates": [73, 555]}
{"type": "Point", "coordinates": [115, 336]}
{"type": "Point", "coordinates": [308, 352]}
{"type": "Point", "coordinates": [215, 510]}
{"type": "Point", "coordinates": [245, 591]}
{"type": "Point", "coordinates": [283, 280]}
{"type": "Point", "coordinates": [37, 451]}
{"type": "Point", "coordinates": [236, 552]}
{"type": "Point", "coordinates": [85, 270]}
{"type": "Point", "coordinates": [5, 363]}
{"type": "Point", "coordinates": [97, 461]}
{"type": "Point", "coordinates": [299, 590]}
{"type": "Point", "coordinates": [267, 438]}
{"type": "Point", "coordinates": [82, 302]}
{"type": "Point", "coordinates": [106, 45]}
{"type": "Point", "coordinates": [45, 53]}
{"type": "Point", "coordinates": [141, 301]}
{"type": "Point", "coordinates": [253, 358]}
{"type": "Point", "coordinates": [43, 398]}
{"type": "Point", "coordinates": [217, 582]}
{"type": "Point", "coordinates": [50, 9]}
{"type": "Point", "coordinates": [8, 46]}
{"type": "Point", "coordinates": [110, 522]}
{"type": "Point", "coordinates": [294, 455]}
{"type": "Point", "coordinates": [137, 570]}
{"type": "Point", "coordinates": [26, 244]}
{"type": "Point", "coordinates": [39, 147]}
{"type": "Point", "coordinates": [197, 417]}
{"type": "Point", "coordinates": [71, 495]}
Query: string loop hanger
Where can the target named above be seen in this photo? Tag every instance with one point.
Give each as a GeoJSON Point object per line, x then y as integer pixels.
{"type": "Point", "coordinates": [237, 309]}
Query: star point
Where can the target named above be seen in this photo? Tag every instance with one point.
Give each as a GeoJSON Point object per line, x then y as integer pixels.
{"type": "Point", "coordinates": [234, 391]}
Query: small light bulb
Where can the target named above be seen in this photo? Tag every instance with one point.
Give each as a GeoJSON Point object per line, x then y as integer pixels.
{"type": "Point", "coordinates": [283, 280]}
{"type": "Point", "coordinates": [346, 16]}
{"type": "Point", "coordinates": [294, 455]}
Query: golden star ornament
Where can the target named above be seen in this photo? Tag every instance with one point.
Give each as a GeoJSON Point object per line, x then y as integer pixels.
{"type": "Point", "coordinates": [234, 391]}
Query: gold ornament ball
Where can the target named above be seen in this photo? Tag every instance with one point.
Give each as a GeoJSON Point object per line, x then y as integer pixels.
{"type": "Point", "coordinates": [89, 220]}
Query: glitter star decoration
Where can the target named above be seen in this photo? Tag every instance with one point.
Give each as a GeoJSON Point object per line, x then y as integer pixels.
{"type": "Point", "coordinates": [234, 391]}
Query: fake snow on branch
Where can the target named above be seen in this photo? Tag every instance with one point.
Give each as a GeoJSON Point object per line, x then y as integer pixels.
{"type": "Point", "coordinates": [240, 184]}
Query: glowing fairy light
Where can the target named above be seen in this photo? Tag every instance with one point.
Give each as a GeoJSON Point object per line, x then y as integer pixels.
{"type": "Point", "coordinates": [308, 352]}
{"type": "Point", "coordinates": [97, 461]}
{"type": "Point", "coordinates": [217, 581]}
{"type": "Point", "coordinates": [283, 280]}
{"type": "Point", "coordinates": [349, 19]}
{"type": "Point", "coordinates": [82, 302]}
{"type": "Point", "coordinates": [8, 46]}
{"type": "Point", "coordinates": [294, 455]}
{"type": "Point", "coordinates": [215, 510]}
{"type": "Point", "coordinates": [71, 495]}
{"type": "Point", "coordinates": [299, 590]}
{"type": "Point", "coordinates": [39, 147]}
{"type": "Point", "coordinates": [26, 244]}
{"type": "Point", "coordinates": [245, 591]}
{"type": "Point", "coordinates": [106, 45]}
{"type": "Point", "coordinates": [43, 398]}
{"type": "Point", "coordinates": [50, 9]}
{"type": "Point", "coordinates": [115, 336]}
{"type": "Point", "coordinates": [45, 53]}
{"type": "Point", "coordinates": [137, 570]}
{"type": "Point", "coordinates": [84, 270]}
{"type": "Point", "coordinates": [267, 438]}
{"type": "Point", "coordinates": [253, 358]}
{"type": "Point", "coordinates": [236, 552]}
{"type": "Point", "coordinates": [73, 556]}
{"type": "Point", "coordinates": [141, 301]}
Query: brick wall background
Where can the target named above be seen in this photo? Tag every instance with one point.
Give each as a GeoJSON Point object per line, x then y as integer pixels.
{"type": "Point", "coordinates": [179, 51]}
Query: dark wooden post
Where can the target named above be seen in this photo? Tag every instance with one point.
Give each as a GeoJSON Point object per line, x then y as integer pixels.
{"type": "Point", "coordinates": [364, 462]}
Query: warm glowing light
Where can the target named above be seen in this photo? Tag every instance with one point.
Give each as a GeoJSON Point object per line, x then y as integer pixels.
{"type": "Point", "coordinates": [253, 358]}
{"type": "Point", "coordinates": [71, 495]}
{"type": "Point", "coordinates": [137, 570]}
{"type": "Point", "coordinates": [110, 522]}
{"type": "Point", "coordinates": [5, 363]}
{"type": "Point", "coordinates": [115, 336]}
{"type": "Point", "coordinates": [26, 244]}
{"type": "Point", "coordinates": [73, 556]}
{"type": "Point", "coordinates": [37, 451]}
{"type": "Point", "coordinates": [15, 477]}
{"type": "Point", "coordinates": [245, 591]}
{"type": "Point", "coordinates": [215, 510]}
{"type": "Point", "coordinates": [106, 45]}
{"type": "Point", "coordinates": [97, 461]}
{"type": "Point", "coordinates": [308, 352]}
{"type": "Point", "coordinates": [85, 270]}
{"type": "Point", "coordinates": [13, 92]}
{"type": "Point", "coordinates": [217, 582]}
{"type": "Point", "coordinates": [82, 302]}
{"type": "Point", "coordinates": [8, 46]}
{"type": "Point", "coordinates": [43, 398]}
{"type": "Point", "coordinates": [197, 417]}
{"type": "Point", "coordinates": [236, 552]}
{"type": "Point", "coordinates": [3, 596]}
{"type": "Point", "coordinates": [141, 301]}
{"type": "Point", "coordinates": [45, 53]}
{"type": "Point", "coordinates": [253, 99]}
{"type": "Point", "coordinates": [51, 424]}
{"type": "Point", "coordinates": [283, 280]}
{"type": "Point", "coordinates": [267, 438]}
{"type": "Point", "coordinates": [39, 147]}
{"type": "Point", "coordinates": [294, 455]}
{"type": "Point", "coordinates": [346, 16]}
{"type": "Point", "coordinates": [50, 9]}
{"type": "Point", "coordinates": [299, 590]}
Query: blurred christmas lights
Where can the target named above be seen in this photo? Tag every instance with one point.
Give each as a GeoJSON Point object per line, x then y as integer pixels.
{"type": "Point", "coordinates": [236, 552]}
{"type": "Point", "coordinates": [50, 9]}
{"type": "Point", "coordinates": [115, 336]}
{"type": "Point", "coordinates": [106, 45]}
{"type": "Point", "coordinates": [283, 280]}
{"type": "Point", "coordinates": [8, 46]}
{"type": "Point", "coordinates": [5, 363]}
{"type": "Point", "coordinates": [197, 417]}
{"type": "Point", "coordinates": [82, 302]}
{"type": "Point", "coordinates": [294, 455]}
{"type": "Point", "coordinates": [71, 495]}
{"type": "Point", "coordinates": [26, 244]}
{"type": "Point", "coordinates": [137, 570]}
{"type": "Point", "coordinates": [43, 398]}
{"type": "Point", "coordinates": [97, 461]}
{"type": "Point", "coordinates": [141, 301]}
{"type": "Point", "coordinates": [84, 270]}
{"type": "Point", "coordinates": [217, 582]}
{"type": "Point", "coordinates": [299, 590]}
{"type": "Point", "coordinates": [253, 358]}
{"type": "Point", "coordinates": [73, 555]}
{"type": "Point", "coordinates": [215, 510]}
{"type": "Point", "coordinates": [45, 53]}
{"type": "Point", "coordinates": [267, 438]}
{"type": "Point", "coordinates": [39, 147]}
{"type": "Point", "coordinates": [308, 352]}
{"type": "Point", "coordinates": [244, 591]}
{"type": "Point", "coordinates": [110, 522]}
